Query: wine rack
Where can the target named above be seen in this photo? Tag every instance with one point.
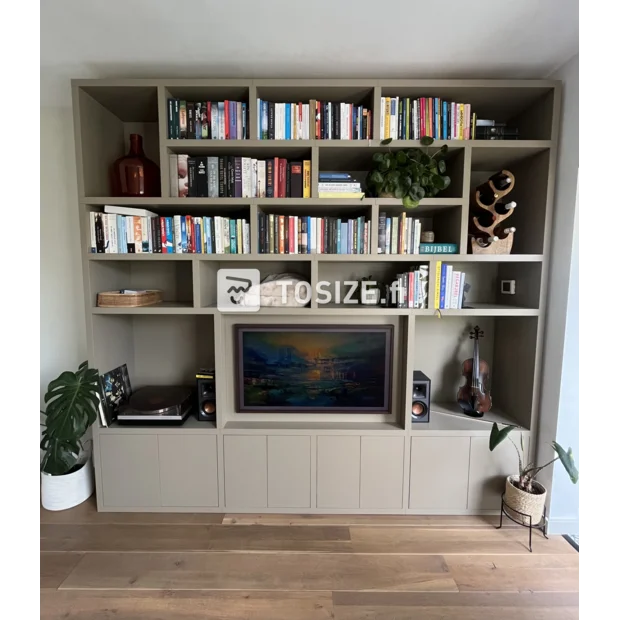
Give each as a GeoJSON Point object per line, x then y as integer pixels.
{"type": "Point", "coordinates": [484, 240]}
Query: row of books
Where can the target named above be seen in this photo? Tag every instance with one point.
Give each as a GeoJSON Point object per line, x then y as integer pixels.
{"type": "Point", "coordinates": [315, 120]}
{"type": "Point", "coordinates": [449, 287]}
{"type": "Point", "coordinates": [238, 177]}
{"type": "Point", "coordinates": [207, 120]}
{"type": "Point", "coordinates": [292, 234]}
{"type": "Point", "coordinates": [403, 118]}
{"type": "Point", "coordinates": [118, 230]}
{"type": "Point", "coordinates": [399, 234]}
{"type": "Point", "coordinates": [413, 288]}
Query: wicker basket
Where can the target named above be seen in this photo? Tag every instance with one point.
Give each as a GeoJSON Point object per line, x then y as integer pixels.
{"type": "Point", "coordinates": [116, 299]}
{"type": "Point", "coordinates": [532, 504]}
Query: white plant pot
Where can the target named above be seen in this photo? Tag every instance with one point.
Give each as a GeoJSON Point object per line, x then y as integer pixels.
{"type": "Point", "coordinates": [62, 492]}
{"type": "Point", "coordinates": [532, 504]}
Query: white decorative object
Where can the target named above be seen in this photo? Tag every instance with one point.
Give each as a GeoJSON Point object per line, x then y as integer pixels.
{"type": "Point", "coordinates": [62, 492]}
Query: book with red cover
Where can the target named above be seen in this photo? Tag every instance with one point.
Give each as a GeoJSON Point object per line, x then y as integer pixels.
{"type": "Point", "coordinates": [162, 232]}
{"type": "Point", "coordinates": [292, 235]}
{"type": "Point", "coordinates": [226, 120]}
{"type": "Point", "coordinates": [276, 177]}
{"type": "Point", "coordinates": [280, 234]}
{"type": "Point", "coordinates": [282, 177]}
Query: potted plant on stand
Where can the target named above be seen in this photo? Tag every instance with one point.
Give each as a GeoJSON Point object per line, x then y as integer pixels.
{"type": "Point", "coordinates": [523, 493]}
{"type": "Point", "coordinates": [72, 401]}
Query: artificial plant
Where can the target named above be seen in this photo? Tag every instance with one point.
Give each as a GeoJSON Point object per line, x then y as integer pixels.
{"type": "Point", "coordinates": [72, 402]}
{"type": "Point", "coordinates": [409, 174]}
{"type": "Point", "coordinates": [527, 472]}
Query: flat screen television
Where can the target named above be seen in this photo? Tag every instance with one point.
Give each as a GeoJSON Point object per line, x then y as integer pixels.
{"type": "Point", "coordinates": [313, 368]}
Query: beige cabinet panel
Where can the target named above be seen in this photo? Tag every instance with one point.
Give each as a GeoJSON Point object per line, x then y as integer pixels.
{"type": "Point", "coordinates": [288, 471]}
{"type": "Point", "coordinates": [382, 472]}
{"type": "Point", "coordinates": [338, 472]}
{"type": "Point", "coordinates": [488, 471]}
{"type": "Point", "coordinates": [439, 473]}
{"type": "Point", "coordinates": [130, 470]}
{"type": "Point", "coordinates": [245, 471]}
{"type": "Point", "coordinates": [188, 470]}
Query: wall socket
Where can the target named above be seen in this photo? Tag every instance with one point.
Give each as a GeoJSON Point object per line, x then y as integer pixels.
{"type": "Point", "coordinates": [508, 287]}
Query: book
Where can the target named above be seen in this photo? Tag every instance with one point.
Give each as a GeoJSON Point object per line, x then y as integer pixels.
{"type": "Point", "coordinates": [128, 211]}
{"type": "Point", "coordinates": [442, 287]}
{"type": "Point", "coordinates": [297, 181]}
{"type": "Point", "coordinates": [116, 390]}
{"type": "Point", "coordinates": [448, 287]}
{"type": "Point", "coordinates": [339, 195]}
{"type": "Point", "coordinates": [307, 179]}
{"type": "Point", "coordinates": [455, 289]}
{"type": "Point", "coordinates": [437, 248]}
{"type": "Point", "coordinates": [438, 267]}
{"type": "Point", "coordinates": [182, 171]}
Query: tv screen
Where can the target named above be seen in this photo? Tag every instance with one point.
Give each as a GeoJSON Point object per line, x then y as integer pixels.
{"type": "Point", "coordinates": [314, 369]}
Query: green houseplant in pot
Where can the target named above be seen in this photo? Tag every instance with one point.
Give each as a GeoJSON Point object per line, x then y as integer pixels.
{"type": "Point", "coordinates": [408, 174]}
{"type": "Point", "coordinates": [523, 493]}
{"type": "Point", "coordinates": [72, 401]}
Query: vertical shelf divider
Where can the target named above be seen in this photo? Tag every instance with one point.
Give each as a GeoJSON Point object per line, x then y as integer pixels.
{"type": "Point", "coordinates": [253, 113]}
{"type": "Point", "coordinates": [314, 171]}
{"type": "Point", "coordinates": [254, 249]}
{"type": "Point", "coordinates": [162, 122]}
{"type": "Point", "coordinates": [374, 228]}
{"type": "Point", "coordinates": [376, 114]}
{"type": "Point", "coordinates": [463, 249]}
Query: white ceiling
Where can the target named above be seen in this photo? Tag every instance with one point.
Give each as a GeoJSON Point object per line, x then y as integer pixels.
{"type": "Point", "coordinates": [302, 38]}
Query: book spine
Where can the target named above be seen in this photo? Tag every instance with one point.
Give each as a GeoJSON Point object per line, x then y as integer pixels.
{"type": "Point", "coordinates": [198, 235]}
{"type": "Point", "coordinates": [170, 118]}
{"type": "Point", "coordinates": [381, 244]}
{"type": "Point", "coordinates": [455, 288]}
{"type": "Point", "coordinates": [444, 120]}
{"type": "Point", "coordinates": [169, 229]}
{"type": "Point", "coordinates": [182, 120]}
{"type": "Point", "coordinates": [442, 287]}
{"type": "Point", "coordinates": [280, 234]}
{"type": "Point", "coordinates": [438, 268]}
{"type": "Point", "coordinates": [178, 240]}
{"type": "Point", "coordinates": [448, 286]}
{"type": "Point", "coordinates": [261, 179]}
{"type": "Point", "coordinates": [246, 237]}
{"type": "Point", "coordinates": [246, 177]}
{"type": "Point", "coordinates": [467, 119]}
{"type": "Point", "coordinates": [191, 177]}
{"type": "Point", "coordinates": [182, 180]}
{"type": "Point", "coordinates": [462, 291]}
{"type": "Point", "coordinates": [212, 177]}
{"type": "Point", "coordinates": [191, 127]}
{"type": "Point", "coordinates": [215, 120]}
{"type": "Point", "coordinates": [307, 178]}
{"type": "Point", "coordinates": [270, 178]}
{"type": "Point", "coordinates": [100, 233]}
{"type": "Point", "coordinates": [184, 231]}
{"type": "Point", "coordinates": [137, 233]}
{"type": "Point", "coordinates": [146, 241]}
{"type": "Point", "coordinates": [226, 222]}
{"type": "Point", "coordinates": [162, 235]}
{"type": "Point", "coordinates": [176, 119]}
{"type": "Point", "coordinates": [205, 120]}
{"type": "Point", "coordinates": [388, 235]}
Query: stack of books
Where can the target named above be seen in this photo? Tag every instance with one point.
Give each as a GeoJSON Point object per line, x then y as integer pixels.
{"type": "Point", "coordinates": [487, 129]}
{"type": "Point", "coordinates": [449, 287]}
{"type": "Point", "coordinates": [123, 230]}
{"type": "Point", "coordinates": [207, 120]}
{"type": "Point", "coordinates": [399, 234]}
{"type": "Point", "coordinates": [413, 288]}
{"type": "Point", "coordinates": [238, 177]}
{"type": "Point", "coordinates": [339, 185]}
{"type": "Point", "coordinates": [403, 118]}
{"type": "Point", "coordinates": [292, 234]}
{"type": "Point", "coordinates": [315, 120]}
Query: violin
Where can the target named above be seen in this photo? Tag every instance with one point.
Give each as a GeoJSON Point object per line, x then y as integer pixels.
{"type": "Point", "coordinates": [474, 397]}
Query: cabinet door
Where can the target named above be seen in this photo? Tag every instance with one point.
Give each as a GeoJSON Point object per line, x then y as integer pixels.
{"type": "Point", "coordinates": [129, 470]}
{"type": "Point", "coordinates": [488, 471]}
{"type": "Point", "coordinates": [288, 471]}
{"type": "Point", "coordinates": [338, 472]}
{"type": "Point", "coordinates": [439, 473]}
{"type": "Point", "coordinates": [188, 470]}
{"type": "Point", "coordinates": [245, 471]}
{"type": "Point", "coordinates": [382, 472]}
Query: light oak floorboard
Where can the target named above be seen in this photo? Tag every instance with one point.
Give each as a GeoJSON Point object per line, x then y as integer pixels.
{"type": "Point", "coordinates": [55, 567]}
{"type": "Point", "coordinates": [258, 571]}
{"type": "Point", "coordinates": [542, 573]}
{"type": "Point", "coordinates": [447, 541]}
{"type": "Point", "coordinates": [454, 606]}
{"type": "Point", "coordinates": [184, 605]}
{"type": "Point", "coordinates": [193, 538]}
{"type": "Point", "coordinates": [86, 513]}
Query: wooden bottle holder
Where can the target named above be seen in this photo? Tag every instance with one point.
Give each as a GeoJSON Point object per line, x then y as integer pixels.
{"type": "Point", "coordinates": [503, 246]}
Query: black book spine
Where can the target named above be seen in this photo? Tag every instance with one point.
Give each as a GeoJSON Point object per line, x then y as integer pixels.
{"type": "Point", "coordinates": [191, 127]}
{"type": "Point", "coordinates": [170, 118]}
{"type": "Point", "coordinates": [202, 189]}
{"type": "Point", "coordinates": [238, 188]}
{"type": "Point", "coordinates": [230, 176]}
{"type": "Point", "coordinates": [288, 180]}
{"type": "Point", "coordinates": [337, 121]}
{"type": "Point", "coordinates": [364, 125]}
{"type": "Point", "coordinates": [191, 177]}
{"type": "Point", "coordinates": [325, 230]}
{"type": "Point", "coordinates": [286, 234]}
{"type": "Point", "coordinates": [177, 128]}
{"type": "Point", "coordinates": [99, 236]}
{"type": "Point", "coordinates": [400, 119]}
{"type": "Point", "coordinates": [221, 177]}
{"type": "Point", "coordinates": [271, 127]}
{"type": "Point", "coordinates": [261, 232]}
{"type": "Point", "coordinates": [323, 120]}
{"type": "Point", "coordinates": [270, 172]}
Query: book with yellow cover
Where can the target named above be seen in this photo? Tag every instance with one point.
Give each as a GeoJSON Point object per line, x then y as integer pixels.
{"type": "Point", "coordinates": [437, 283]}
{"type": "Point", "coordinates": [307, 178]}
{"type": "Point", "coordinates": [386, 125]}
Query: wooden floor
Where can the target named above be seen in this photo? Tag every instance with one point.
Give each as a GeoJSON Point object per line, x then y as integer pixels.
{"type": "Point", "coordinates": [153, 566]}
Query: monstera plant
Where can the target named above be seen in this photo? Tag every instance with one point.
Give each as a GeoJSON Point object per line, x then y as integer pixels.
{"type": "Point", "coordinates": [72, 402]}
{"type": "Point", "coordinates": [409, 174]}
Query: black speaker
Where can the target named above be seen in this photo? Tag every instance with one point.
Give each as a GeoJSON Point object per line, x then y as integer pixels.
{"type": "Point", "coordinates": [421, 397]}
{"type": "Point", "coordinates": [205, 384]}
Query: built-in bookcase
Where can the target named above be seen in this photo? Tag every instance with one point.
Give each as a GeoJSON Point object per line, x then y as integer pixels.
{"type": "Point", "coordinates": [167, 343]}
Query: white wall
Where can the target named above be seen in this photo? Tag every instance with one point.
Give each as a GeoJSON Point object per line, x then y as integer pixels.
{"type": "Point", "coordinates": [559, 408]}
{"type": "Point", "coordinates": [63, 332]}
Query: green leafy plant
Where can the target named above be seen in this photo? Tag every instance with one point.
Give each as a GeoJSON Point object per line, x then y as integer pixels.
{"type": "Point", "coordinates": [72, 402]}
{"type": "Point", "coordinates": [527, 472]}
{"type": "Point", "coordinates": [411, 174]}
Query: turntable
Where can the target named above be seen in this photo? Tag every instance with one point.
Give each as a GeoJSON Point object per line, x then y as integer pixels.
{"type": "Point", "coordinates": [162, 403]}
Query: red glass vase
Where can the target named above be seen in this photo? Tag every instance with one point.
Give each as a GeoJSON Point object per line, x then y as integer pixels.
{"type": "Point", "coordinates": [135, 174]}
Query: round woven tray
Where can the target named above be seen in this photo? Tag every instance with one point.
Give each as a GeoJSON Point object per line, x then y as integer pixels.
{"type": "Point", "coordinates": [116, 299]}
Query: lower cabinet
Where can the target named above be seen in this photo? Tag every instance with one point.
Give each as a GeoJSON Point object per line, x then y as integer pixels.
{"type": "Point", "coordinates": [288, 471]}
{"type": "Point", "coordinates": [245, 471]}
{"type": "Point", "coordinates": [382, 470]}
{"type": "Point", "coordinates": [439, 473]}
{"type": "Point", "coordinates": [338, 472]}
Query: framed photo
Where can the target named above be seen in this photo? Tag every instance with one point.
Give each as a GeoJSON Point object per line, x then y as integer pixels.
{"type": "Point", "coordinates": [313, 368]}
{"type": "Point", "coordinates": [116, 390]}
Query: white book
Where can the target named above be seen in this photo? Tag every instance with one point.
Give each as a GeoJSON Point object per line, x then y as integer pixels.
{"type": "Point", "coordinates": [262, 180]}
{"type": "Point", "coordinates": [282, 121]}
{"type": "Point", "coordinates": [416, 238]}
{"type": "Point", "coordinates": [446, 303]}
{"type": "Point", "coordinates": [178, 241]}
{"type": "Point", "coordinates": [394, 118]}
{"type": "Point", "coordinates": [128, 211]}
{"type": "Point", "coordinates": [455, 290]}
{"type": "Point", "coordinates": [461, 290]}
{"type": "Point", "coordinates": [173, 171]}
{"type": "Point", "coordinates": [304, 121]}
{"type": "Point", "coordinates": [146, 233]}
{"type": "Point", "coordinates": [453, 134]}
{"type": "Point", "coordinates": [408, 222]}
{"type": "Point", "coordinates": [388, 235]}
{"type": "Point", "coordinates": [423, 286]}
{"type": "Point", "coordinates": [296, 228]}
{"type": "Point", "coordinates": [226, 236]}
{"type": "Point", "coordinates": [93, 235]}
{"type": "Point", "coordinates": [313, 244]}
{"type": "Point", "coordinates": [221, 124]}
{"type": "Point", "coordinates": [217, 228]}
{"type": "Point", "coordinates": [215, 121]}
{"type": "Point", "coordinates": [113, 246]}
{"type": "Point", "coordinates": [246, 177]}
{"type": "Point", "coordinates": [276, 121]}
{"type": "Point", "coordinates": [416, 120]}
{"type": "Point", "coordinates": [129, 230]}
{"type": "Point", "coordinates": [394, 239]}
{"type": "Point", "coordinates": [254, 188]}
{"type": "Point", "coordinates": [246, 237]}
{"type": "Point", "coordinates": [299, 110]}
{"type": "Point", "coordinates": [382, 122]}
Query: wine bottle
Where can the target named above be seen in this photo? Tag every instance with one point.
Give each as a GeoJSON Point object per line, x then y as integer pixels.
{"type": "Point", "coordinates": [485, 218]}
{"type": "Point", "coordinates": [501, 208]}
{"type": "Point", "coordinates": [502, 234]}
{"type": "Point", "coordinates": [486, 242]}
{"type": "Point", "coordinates": [487, 196]}
{"type": "Point", "coordinates": [500, 181]}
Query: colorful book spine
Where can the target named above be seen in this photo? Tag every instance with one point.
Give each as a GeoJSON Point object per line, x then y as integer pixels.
{"type": "Point", "coordinates": [438, 268]}
{"type": "Point", "coordinates": [442, 287]}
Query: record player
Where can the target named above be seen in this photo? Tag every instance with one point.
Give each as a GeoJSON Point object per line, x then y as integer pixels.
{"type": "Point", "coordinates": [157, 403]}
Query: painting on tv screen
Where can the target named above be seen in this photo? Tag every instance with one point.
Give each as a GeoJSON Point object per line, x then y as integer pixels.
{"type": "Point", "coordinates": [311, 369]}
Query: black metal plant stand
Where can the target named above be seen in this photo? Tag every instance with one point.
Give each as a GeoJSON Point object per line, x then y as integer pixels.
{"type": "Point", "coordinates": [542, 525]}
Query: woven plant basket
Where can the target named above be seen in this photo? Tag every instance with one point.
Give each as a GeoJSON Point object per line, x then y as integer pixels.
{"type": "Point", "coordinates": [532, 504]}
{"type": "Point", "coordinates": [116, 299]}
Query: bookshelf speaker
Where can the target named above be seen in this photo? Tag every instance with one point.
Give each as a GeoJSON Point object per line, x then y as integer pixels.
{"type": "Point", "coordinates": [205, 384]}
{"type": "Point", "coordinates": [421, 398]}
